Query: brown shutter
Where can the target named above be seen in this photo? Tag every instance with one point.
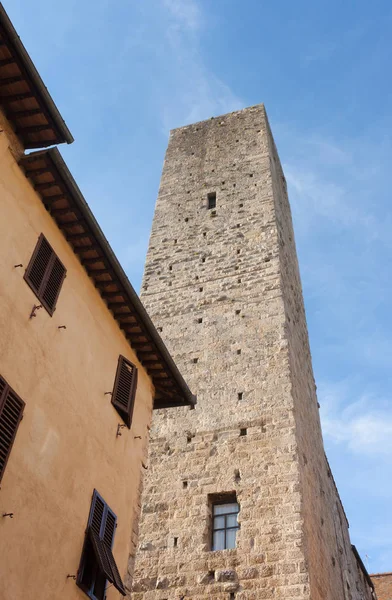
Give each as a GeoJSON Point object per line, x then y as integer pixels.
{"type": "Point", "coordinates": [108, 536]}
{"type": "Point", "coordinates": [100, 555]}
{"type": "Point", "coordinates": [123, 397]}
{"type": "Point", "coordinates": [11, 411]}
{"type": "Point", "coordinates": [117, 581]}
{"type": "Point", "coordinates": [45, 274]}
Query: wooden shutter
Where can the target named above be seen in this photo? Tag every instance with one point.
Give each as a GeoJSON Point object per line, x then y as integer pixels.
{"type": "Point", "coordinates": [101, 528]}
{"type": "Point", "coordinates": [11, 411]}
{"type": "Point", "coordinates": [108, 537]}
{"type": "Point", "coordinates": [45, 274]}
{"type": "Point", "coordinates": [123, 397]}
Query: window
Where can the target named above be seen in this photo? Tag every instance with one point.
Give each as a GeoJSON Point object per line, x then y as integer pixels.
{"type": "Point", "coordinates": [211, 198]}
{"type": "Point", "coordinates": [11, 411]}
{"type": "Point", "coordinates": [97, 564]}
{"type": "Point", "coordinates": [45, 274]}
{"type": "Point", "coordinates": [225, 524]}
{"type": "Point", "coordinates": [123, 396]}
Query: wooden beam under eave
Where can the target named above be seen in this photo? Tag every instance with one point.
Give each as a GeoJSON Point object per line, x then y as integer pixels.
{"type": "Point", "coordinates": [11, 80]}
{"type": "Point", "coordinates": [7, 61]}
{"type": "Point", "coordinates": [9, 98]}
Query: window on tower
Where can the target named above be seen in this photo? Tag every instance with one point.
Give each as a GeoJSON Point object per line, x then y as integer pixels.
{"type": "Point", "coordinates": [211, 198]}
{"type": "Point", "coordinates": [224, 522]}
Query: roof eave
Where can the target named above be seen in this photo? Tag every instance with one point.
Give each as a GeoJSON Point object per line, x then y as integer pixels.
{"type": "Point", "coordinates": [35, 77]}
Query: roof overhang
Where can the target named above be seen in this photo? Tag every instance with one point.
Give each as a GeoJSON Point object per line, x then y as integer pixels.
{"type": "Point", "coordinates": [63, 199]}
{"type": "Point", "coordinates": [23, 95]}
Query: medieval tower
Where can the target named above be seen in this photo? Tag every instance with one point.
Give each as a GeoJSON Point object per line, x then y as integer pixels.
{"type": "Point", "coordinates": [239, 501]}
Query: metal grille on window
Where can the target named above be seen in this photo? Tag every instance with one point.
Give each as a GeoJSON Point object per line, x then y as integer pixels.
{"type": "Point", "coordinates": [224, 525]}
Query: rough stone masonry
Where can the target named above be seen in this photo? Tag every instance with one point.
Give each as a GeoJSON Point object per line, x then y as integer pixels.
{"type": "Point", "coordinates": [222, 285]}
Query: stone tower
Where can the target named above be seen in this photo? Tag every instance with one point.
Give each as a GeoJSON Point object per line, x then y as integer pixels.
{"type": "Point", "coordinates": [222, 285]}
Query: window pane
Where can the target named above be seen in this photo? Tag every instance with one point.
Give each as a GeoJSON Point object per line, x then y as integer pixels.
{"type": "Point", "coordinates": [218, 542]}
{"type": "Point", "coordinates": [221, 509]}
{"type": "Point", "coordinates": [230, 538]}
{"type": "Point", "coordinates": [219, 522]}
{"type": "Point", "coordinates": [231, 521]}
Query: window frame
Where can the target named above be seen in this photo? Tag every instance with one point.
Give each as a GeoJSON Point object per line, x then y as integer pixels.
{"type": "Point", "coordinates": [227, 499]}
{"type": "Point", "coordinates": [40, 292]}
{"type": "Point", "coordinates": [4, 395]}
{"type": "Point", "coordinates": [211, 200]}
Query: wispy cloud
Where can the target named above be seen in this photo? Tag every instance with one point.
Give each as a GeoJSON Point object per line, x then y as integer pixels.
{"type": "Point", "coordinates": [186, 13]}
{"type": "Point", "coordinates": [198, 93]}
{"type": "Point", "coordinates": [363, 426]}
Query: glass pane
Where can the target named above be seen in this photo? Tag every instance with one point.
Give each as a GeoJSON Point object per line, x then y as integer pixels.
{"type": "Point", "coordinates": [218, 542]}
{"type": "Point", "coordinates": [230, 538]}
{"type": "Point", "coordinates": [221, 509]}
{"type": "Point", "coordinates": [219, 522]}
{"type": "Point", "coordinates": [231, 521]}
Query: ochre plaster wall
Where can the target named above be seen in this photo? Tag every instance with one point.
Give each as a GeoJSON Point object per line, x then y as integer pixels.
{"type": "Point", "coordinates": [66, 444]}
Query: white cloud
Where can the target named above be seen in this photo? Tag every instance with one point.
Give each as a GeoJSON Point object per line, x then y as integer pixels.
{"type": "Point", "coordinates": [197, 92]}
{"type": "Point", "coordinates": [186, 13]}
{"type": "Point", "coordinates": [363, 426]}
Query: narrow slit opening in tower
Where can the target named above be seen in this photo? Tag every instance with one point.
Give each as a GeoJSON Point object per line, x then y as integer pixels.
{"type": "Point", "coordinates": [211, 199]}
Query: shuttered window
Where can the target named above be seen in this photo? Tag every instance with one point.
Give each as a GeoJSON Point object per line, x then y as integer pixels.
{"type": "Point", "coordinates": [11, 411]}
{"type": "Point", "coordinates": [97, 565]}
{"type": "Point", "coordinates": [123, 397]}
{"type": "Point", "coordinates": [45, 274]}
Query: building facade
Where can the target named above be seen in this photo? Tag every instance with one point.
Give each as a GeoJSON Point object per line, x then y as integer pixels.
{"type": "Point", "coordinates": [239, 500]}
{"type": "Point", "coordinates": [383, 585]}
{"type": "Point", "coordinates": [81, 366]}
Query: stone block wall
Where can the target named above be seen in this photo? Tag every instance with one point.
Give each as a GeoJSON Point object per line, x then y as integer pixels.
{"type": "Point", "coordinates": [223, 287]}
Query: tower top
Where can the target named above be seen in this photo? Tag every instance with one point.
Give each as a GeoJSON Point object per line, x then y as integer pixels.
{"type": "Point", "coordinates": [255, 108]}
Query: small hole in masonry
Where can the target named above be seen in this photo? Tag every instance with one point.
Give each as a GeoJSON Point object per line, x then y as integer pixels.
{"type": "Point", "coordinates": [250, 174]}
{"type": "Point", "coordinates": [238, 251]}
{"type": "Point", "coordinates": [188, 439]}
{"type": "Point", "coordinates": [243, 432]}
{"type": "Point", "coordinates": [211, 574]}
{"type": "Point", "coordinates": [184, 484]}
{"type": "Point", "coordinates": [200, 320]}
{"type": "Point", "coordinates": [203, 260]}
{"type": "Point", "coordinates": [200, 289]}
{"type": "Point", "coordinates": [238, 311]}
{"type": "Point", "coordinates": [204, 234]}
{"type": "Point", "coordinates": [175, 241]}
{"type": "Point", "coordinates": [159, 329]}
{"type": "Point", "coordinates": [232, 596]}
{"type": "Point", "coordinates": [239, 395]}
{"type": "Point", "coordinates": [175, 542]}
{"type": "Point", "coordinates": [239, 280]}
{"type": "Point", "coordinates": [239, 351]}
{"type": "Point", "coordinates": [195, 361]}
{"type": "Point", "coordinates": [241, 205]}
{"type": "Point", "coordinates": [170, 268]}
{"type": "Point", "coordinates": [186, 219]}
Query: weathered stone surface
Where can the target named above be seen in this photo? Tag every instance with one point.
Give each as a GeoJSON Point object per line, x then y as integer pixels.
{"type": "Point", "coordinates": [224, 287]}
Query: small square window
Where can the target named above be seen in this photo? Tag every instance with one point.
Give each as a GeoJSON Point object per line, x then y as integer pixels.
{"type": "Point", "coordinates": [211, 198]}
{"type": "Point", "coordinates": [240, 395]}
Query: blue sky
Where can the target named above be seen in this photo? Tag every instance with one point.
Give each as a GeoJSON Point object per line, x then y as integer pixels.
{"type": "Point", "coordinates": [123, 73]}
